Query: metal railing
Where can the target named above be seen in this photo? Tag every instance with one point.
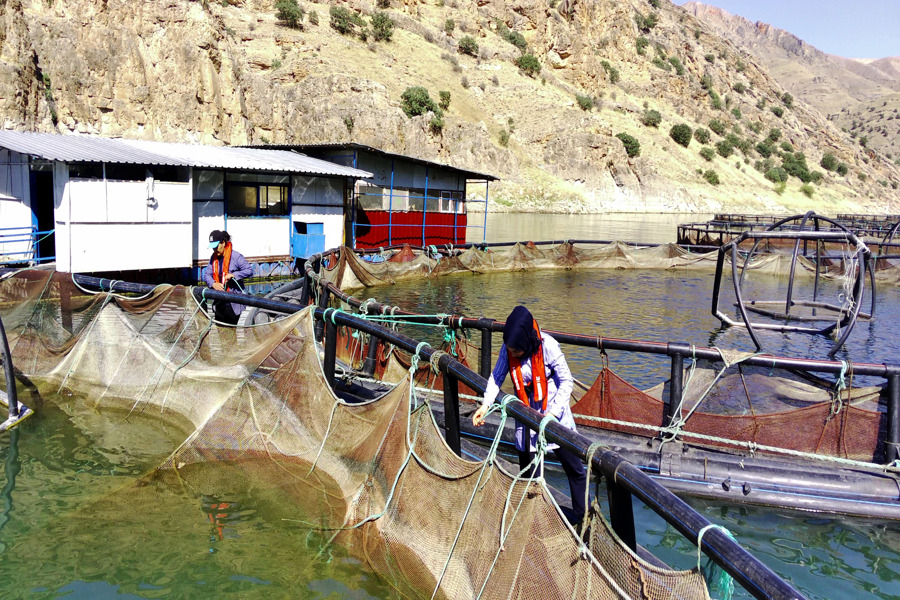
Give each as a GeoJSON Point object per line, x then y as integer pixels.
{"type": "Point", "coordinates": [29, 237]}
{"type": "Point", "coordinates": [623, 479]}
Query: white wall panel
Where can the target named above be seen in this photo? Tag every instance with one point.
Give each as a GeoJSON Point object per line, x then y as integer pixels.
{"type": "Point", "coordinates": [126, 202]}
{"type": "Point", "coordinates": [88, 200]}
{"type": "Point", "coordinates": [173, 203]}
{"type": "Point", "coordinates": [254, 237]}
{"type": "Point", "coordinates": [104, 247]}
{"type": "Point", "coordinates": [331, 217]}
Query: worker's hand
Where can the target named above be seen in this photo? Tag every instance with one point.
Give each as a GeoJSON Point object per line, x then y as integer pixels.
{"type": "Point", "coordinates": [228, 276]}
{"type": "Point", "coordinates": [218, 286]}
{"type": "Point", "coordinates": [478, 417]}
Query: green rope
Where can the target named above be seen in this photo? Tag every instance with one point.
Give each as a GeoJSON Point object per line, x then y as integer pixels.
{"type": "Point", "coordinates": [717, 580]}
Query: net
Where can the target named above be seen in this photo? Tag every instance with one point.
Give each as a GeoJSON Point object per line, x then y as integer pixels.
{"type": "Point", "coordinates": [376, 476]}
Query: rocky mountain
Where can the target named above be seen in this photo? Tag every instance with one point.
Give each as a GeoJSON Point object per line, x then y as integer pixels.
{"type": "Point", "coordinates": [860, 96]}
{"type": "Point", "coordinates": [572, 103]}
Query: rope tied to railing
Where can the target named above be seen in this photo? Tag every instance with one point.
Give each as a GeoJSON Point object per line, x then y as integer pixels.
{"type": "Point", "coordinates": [840, 384]}
{"type": "Point", "coordinates": [716, 578]}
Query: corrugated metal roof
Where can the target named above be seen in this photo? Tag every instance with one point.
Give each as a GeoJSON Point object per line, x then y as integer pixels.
{"type": "Point", "coordinates": [75, 148]}
{"type": "Point", "coordinates": [355, 146]}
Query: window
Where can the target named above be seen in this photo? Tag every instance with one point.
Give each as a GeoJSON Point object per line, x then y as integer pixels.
{"type": "Point", "coordinates": [256, 199]}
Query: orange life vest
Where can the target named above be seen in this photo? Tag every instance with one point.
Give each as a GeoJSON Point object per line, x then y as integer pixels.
{"type": "Point", "coordinates": [538, 374]}
{"type": "Point", "coordinates": [218, 276]}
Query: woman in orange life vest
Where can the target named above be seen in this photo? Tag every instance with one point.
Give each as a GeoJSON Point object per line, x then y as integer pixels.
{"type": "Point", "coordinates": [225, 269]}
{"type": "Point", "coordinates": [542, 381]}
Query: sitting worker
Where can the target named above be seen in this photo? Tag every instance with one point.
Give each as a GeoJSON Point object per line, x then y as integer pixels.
{"type": "Point", "coordinates": [542, 381]}
{"type": "Point", "coordinates": [225, 269]}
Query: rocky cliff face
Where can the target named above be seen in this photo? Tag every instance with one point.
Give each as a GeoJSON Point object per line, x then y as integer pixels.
{"type": "Point", "coordinates": [230, 72]}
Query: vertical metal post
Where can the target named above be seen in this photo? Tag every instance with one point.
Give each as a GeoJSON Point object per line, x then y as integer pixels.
{"type": "Point", "coordinates": [676, 382]}
{"type": "Point", "coordinates": [371, 356]}
{"type": "Point", "coordinates": [621, 513]}
{"type": "Point", "coordinates": [425, 207]}
{"type": "Point", "coordinates": [11, 393]}
{"type": "Point", "coordinates": [892, 442]}
{"type": "Point", "coordinates": [323, 304]}
{"type": "Point", "coordinates": [487, 185]}
{"type": "Point", "coordinates": [330, 351]}
{"type": "Point", "coordinates": [391, 205]}
{"type": "Point", "coordinates": [484, 368]}
{"type": "Point", "coordinates": [451, 412]}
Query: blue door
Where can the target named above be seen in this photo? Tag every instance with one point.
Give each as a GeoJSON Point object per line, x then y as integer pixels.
{"type": "Point", "coordinates": [307, 239]}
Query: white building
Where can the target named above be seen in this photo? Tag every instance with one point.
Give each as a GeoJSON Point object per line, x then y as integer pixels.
{"type": "Point", "coordinates": [109, 205]}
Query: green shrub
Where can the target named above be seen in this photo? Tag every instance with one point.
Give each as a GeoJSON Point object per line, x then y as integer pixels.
{"type": "Point", "coordinates": [345, 21]}
{"type": "Point", "coordinates": [313, 18]}
{"type": "Point", "coordinates": [383, 3]}
{"type": "Point", "coordinates": [290, 13]}
{"type": "Point", "coordinates": [774, 134]}
{"type": "Point", "coordinates": [444, 101]}
{"type": "Point", "coordinates": [632, 146]}
{"type": "Point", "coordinates": [416, 101]}
{"type": "Point", "coordinates": [765, 149]}
{"type": "Point", "coordinates": [755, 126]}
{"type": "Point", "coordinates": [815, 177]}
{"type": "Point", "coordinates": [584, 102]}
{"type": "Point", "coordinates": [829, 162]}
{"type": "Point", "coordinates": [382, 27]}
{"type": "Point", "coordinates": [517, 39]}
{"type": "Point", "coordinates": [716, 102]}
{"type": "Point", "coordinates": [724, 148]}
{"type": "Point", "coordinates": [776, 175]}
{"type": "Point", "coordinates": [710, 58]}
{"type": "Point", "coordinates": [737, 113]}
{"type": "Point", "coordinates": [681, 134]}
{"type": "Point", "coordinates": [651, 118]}
{"type": "Point", "coordinates": [655, 3]}
{"type": "Point", "coordinates": [449, 26]}
{"type": "Point", "coordinates": [787, 100]}
{"type": "Point", "coordinates": [706, 81]}
{"type": "Point", "coordinates": [795, 164]}
{"type": "Point", "coordinates": [780, 187]}
{"type": "Point", "coordinates": [702, 135]}
{"type": "Point", "coordinates": [711, 177]}
{"type": "Point", "coordinates": [611, 71]}
{"type": "Point", "coordinates": [468, 45]}
{"type": "Point", "coordinates": [679, 68]}
{"type": "Point", "coordinates": [862, 176]}
{"type": "Point", "coordinates": [777, 111]}
{"type": "Point", "coordinates": [529, 64]}
{"type": "Point", "coordinates": [661, 63]}
{"type": "Point", "coordinates": [842, 170]}
{"type": "Point", "coordinates": [786, 146]}
{"type": "Point", "coordinates": [807, 190]}
{"type": "Point", "coordinates": [504, 138]}
{"type": "Point", "coordinates": [437, 123]}
{"type": "Point", "coordinates": [717, 126]}
{"type": "Point", "coordinates": [707, 153]}
{"type": "Point", "coordinates": [646, 23]}
{"type": "Point", "coordinates": [739, 87]}
{"type": "Point", "coordinates": [641, 43]}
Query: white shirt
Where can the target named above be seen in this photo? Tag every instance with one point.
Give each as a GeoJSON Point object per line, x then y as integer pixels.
{"type": "Point", "coordinates": [559, 387]}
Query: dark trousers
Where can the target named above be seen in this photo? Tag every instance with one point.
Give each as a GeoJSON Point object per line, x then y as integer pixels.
{"type": "Point", "coordinates": [576, 474]}
{"type": "Point", "coordinates": [224, 312]}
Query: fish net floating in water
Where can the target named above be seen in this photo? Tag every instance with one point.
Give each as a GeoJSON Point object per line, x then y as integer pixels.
{"type": "Point", "coordinates": [254, 404]}
{"type": "Point", "coordinates": [351, 271]}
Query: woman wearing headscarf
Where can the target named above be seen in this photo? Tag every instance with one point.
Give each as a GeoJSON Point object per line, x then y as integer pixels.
{"type": "Point", "coordinates": [542, 380]}
{"type": "Point", "coordinates": [225, 269]}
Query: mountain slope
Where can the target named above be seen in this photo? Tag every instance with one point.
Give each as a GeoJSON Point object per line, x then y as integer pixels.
{"type": "Point", "coordinates": [234, 73]}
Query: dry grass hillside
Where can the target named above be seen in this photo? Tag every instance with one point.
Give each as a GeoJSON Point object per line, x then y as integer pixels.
{"type": "Point", "coordinates": [861, 96]}
{"type": "Point", "coordinates": [233, 72]}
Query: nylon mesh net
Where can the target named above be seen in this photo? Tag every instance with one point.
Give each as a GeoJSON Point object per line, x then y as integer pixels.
{"type": "Point", "coordinates": [376, 476]}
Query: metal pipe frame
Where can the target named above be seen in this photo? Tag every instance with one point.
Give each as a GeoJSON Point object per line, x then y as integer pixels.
{"type": "Point", "coordinates": [760, 581]}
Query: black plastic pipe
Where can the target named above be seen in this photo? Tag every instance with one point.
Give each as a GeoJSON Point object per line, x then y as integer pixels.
{"type": "Point", "coordinates": [11, 392]}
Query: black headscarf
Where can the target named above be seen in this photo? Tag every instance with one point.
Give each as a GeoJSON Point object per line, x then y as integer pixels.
{"type": "Point", "coordinates": [519, 332]}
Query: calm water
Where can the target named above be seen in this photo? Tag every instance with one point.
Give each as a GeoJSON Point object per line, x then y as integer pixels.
{"type": "Point", "coordinates": [76, 523]}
